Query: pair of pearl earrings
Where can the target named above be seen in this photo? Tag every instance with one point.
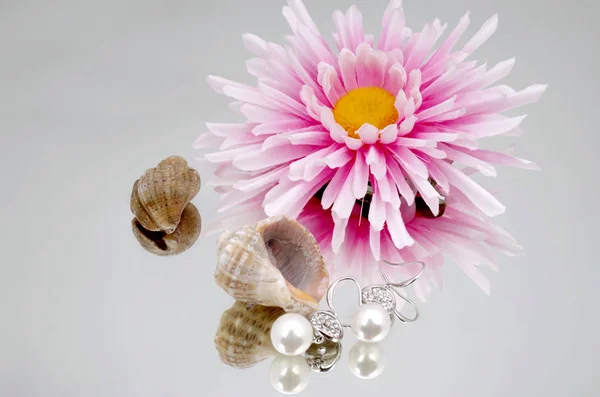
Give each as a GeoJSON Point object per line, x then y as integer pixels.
{"type": "Point", "coordinates": [293, 334]}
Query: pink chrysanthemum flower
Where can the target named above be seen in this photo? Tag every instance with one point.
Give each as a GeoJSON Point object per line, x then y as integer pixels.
{"type": "Point", "coordinates": [372, 129]}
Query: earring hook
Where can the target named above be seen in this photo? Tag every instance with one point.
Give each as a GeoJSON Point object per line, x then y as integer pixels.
{"type": "Point", "coordinates": [331, 290]}
{"type": "Point", "coordinates": [408, 282]}
{"type": "Point", "coordinates": [394, 287]}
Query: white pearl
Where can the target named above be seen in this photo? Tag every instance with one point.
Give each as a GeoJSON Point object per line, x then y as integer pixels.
{"type": "Point", "coordinates": [371, 322]}
{"type": "Point", "coordinates": [366, 360]}
{"type": "Point", "coordinates": [291, 334]}
{"type": "Point", "coordinates": [289, 374]}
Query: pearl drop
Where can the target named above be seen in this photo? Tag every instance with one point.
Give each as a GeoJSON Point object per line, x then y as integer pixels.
{"type": "Point", "coordinates": [366, 360]}
{"type": "Point", "coordinates": [291, 334]}
{"type": "Point", "coordinates": [289, 374]}
{"type": "Point", "coordinates": [371, 322]}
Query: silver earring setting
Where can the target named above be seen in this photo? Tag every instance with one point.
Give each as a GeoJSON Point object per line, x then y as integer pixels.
{"type": "Point", "coordinates": [318, 338]}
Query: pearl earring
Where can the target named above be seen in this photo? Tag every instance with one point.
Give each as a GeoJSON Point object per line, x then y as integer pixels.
{"type": "Point", "coordinates": [292, 334]}
{"type": "Point", "coordinates": [318, 337]}
{"type": "Point", "coordinates": [373, 319]}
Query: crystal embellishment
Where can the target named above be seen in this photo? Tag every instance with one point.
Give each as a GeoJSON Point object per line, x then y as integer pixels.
{"type": "Point", "coordinates": [327, 324]}
{"type": "Point", "coordinates": [379, 294]}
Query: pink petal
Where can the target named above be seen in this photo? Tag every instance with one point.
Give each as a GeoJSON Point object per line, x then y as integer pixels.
{"type": "Point", "coordinates": [306, 78]}
{"type": "Point", "coordinates": [285, 101]}
{"type": "Point", "coordinates": [368, 133]}
{"type": "Point", "coordinates": [407, 125]}
{"type": "Point", "coordinates": [411, 163]}
{"type": "Point", "coordinates": [421, 49]}
{"type": "Point", "coordinates": [397, 229]}
{"type": "Point", "coordinates": [229, 155]}
{"type": "Point", "coordinates": [339, 158]}
{"type": "Point", "coordinates": [529, 95]}
{"type": "Point", "coordinates": [206, 140]}
{"type": "Point", "coordinates": [389, 134]}
{"type": "Point", "coordinates": [295, 207]}
{"type": "Point", "coordinates": [393, 32]}
{"type": "Point", "coordinates": [298, 168]}
{"type": "Point", "coordinates": [439, 177]}
{"type": "Point", "coordinates": [249, 95]}
{"type": "Point", "coordinates": [403, 187]}
{"type": "Point", "coordinates": [258, 114]}
{"type": "Point", "coordinates": [504, 159]}
{"type": "Point", "coordinates": [486, 31]}
{"type": "Point", "coordinates": [431, 152]}
{"type": "Point", "coordinates": [428, 193]}
{"type": "Point", "coordinates": [240, 139]}
{"type": "Point", "coordinates": [385, 189]}
{"type": "Point", "coordinates": [375, 243]}
{"type": "Point", "coordinates": [344, 202]}
{"type": "Point", "coordinates": [436, 136]}
{"type": "Point", "coordinates": [339, 233]}
{"type": "Point", "coordinates": [447, 116]}
{"type": "Point", "coordinates": [315, 138]}
{"type": "Point", "coordinates": [279, 126]}
{"type": "Point", "coordinates": [436, 110]}
{"type": "Point", "coordinates": [396, 79]}
{"type": "Point", "coordinates": [290, 200]}
{"type": "Point", "coordinates": [253, 160]}
{"type": "Point", "coordinates": [413, 87]}
{"type": "Point", "coordinates": [296, 14]}
{"type": "Point", "coordinates": [480, 197]}
{"type": "Point", "coordinates": [225, 130]}
{"type": "Point", "coordinates": [255, 45]}
{"type": "Point", "coordinates": [441, 53]}
{"type": "Point", "coordinates": [329, 81]}
{"type": "Point", "coordinates": [412, 142]}
{"type": "Point", "coordinates": [314, 106]}
{"type": "Point", "coordinates": [360, 176]}
{"type": "Point", "coordinates": [260, 181]}
{"type": "Point", "coordinates": [217, 83]}
{"type": "Point", "coordinates": [370, 67]}
{"type": "Point", "coordinates": [354, 23]}
{"type": "Point", "coordinates": [400, 103]}
{"type": "Point", "coordinates": [347, 64]}
{"type": "Point", "coordinates": [377, 209]}
{"type": "Point", "coordinates": [463, 156]}
{"type": "Point", "coordinates": [352, 143]}
{"type": "Point", "coordinates": [476, 276]}
{"type": "Point", "coordinates": [334, 186]}
{"type": "Point", "coordinates": [498, 72]}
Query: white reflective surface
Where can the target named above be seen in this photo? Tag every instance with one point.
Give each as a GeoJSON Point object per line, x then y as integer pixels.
{"type": "Point", "coordinates": [95, 92]}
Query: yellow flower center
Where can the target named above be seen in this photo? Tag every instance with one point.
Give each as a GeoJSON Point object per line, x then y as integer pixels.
{"type": "Point", "coordinates": [371, 105]}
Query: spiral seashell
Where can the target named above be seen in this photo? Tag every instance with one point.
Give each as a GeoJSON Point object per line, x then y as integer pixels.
{"type": "Point", "coordinates": [166, 223]}
{"type": "Point", "coordinates": [278, 263]}
{"type": "Point", "coordinates": [160, 195]}
{"type": "Point", "coordinates": [163, 244]}
{"type": "Point", "coordinates": [243, 337]}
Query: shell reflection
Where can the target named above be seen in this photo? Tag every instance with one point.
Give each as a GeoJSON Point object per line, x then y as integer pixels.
{"type": "Point", "coordinates": [243, 337]}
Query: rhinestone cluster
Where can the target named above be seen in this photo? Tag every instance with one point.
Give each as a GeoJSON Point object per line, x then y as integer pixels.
{"type": "Point", "coordinates": [327, 324]}
{"type": "Point", "coordinates": [381, 295]}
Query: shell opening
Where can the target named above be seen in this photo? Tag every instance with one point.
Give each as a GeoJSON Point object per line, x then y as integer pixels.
{"type": "Point", "coordinates": [293, 251]}
{"type": "Point", "coordinates": [156, 237]}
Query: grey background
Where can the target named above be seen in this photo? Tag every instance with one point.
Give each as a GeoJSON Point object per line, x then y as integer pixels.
{"type": "Point", "coordinates": [93, 93]}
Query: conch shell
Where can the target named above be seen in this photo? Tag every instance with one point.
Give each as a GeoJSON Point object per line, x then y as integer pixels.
{"type": "Point", "coordinates": [166, 223]}
{"type": "Point", "coordinates": [243, 337]}
{"type": "Point", "coordinates": [277, 263]}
